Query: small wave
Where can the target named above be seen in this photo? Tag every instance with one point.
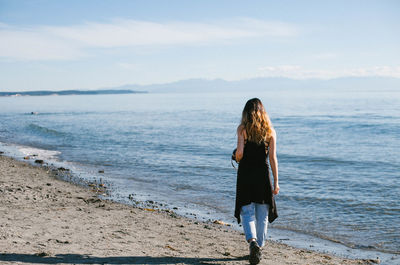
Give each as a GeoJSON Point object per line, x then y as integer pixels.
{"type": "Point", "coordinates": [73, 113]}
{"type": "Point", "coordinates": [18, 151]}
{"type": "Point", "coordinates": [339, 239]}
{"type": "Point", "coordinates": [149, 180]}
{"type": "Point", "coordinates": [44, 130]}
{"type": "Point", "coordinates": [40, 153]}
{"type": "Point", "coordinates": [330, 161]}
{"type": "Point", "coordinates": [315, 159]}
{"type": "Point", "coordinates": [180, 187]}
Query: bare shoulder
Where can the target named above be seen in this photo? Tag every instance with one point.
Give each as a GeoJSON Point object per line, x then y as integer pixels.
{"type": "Point", "coordinates": [273, 133]}
{"type": "Point", "coordinates": [272, 138]}
{"type": "Point", "coordinates": [240, 129]}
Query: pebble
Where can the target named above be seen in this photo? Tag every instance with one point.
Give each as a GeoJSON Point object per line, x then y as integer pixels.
{"type": "Point", "coordinates": [62, 242]}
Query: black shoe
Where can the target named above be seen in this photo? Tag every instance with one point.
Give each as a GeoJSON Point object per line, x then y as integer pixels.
{"type": "Point", "coordinates": [255, 254]}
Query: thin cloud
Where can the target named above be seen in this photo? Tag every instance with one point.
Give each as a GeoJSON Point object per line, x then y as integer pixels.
{"type": "Point", "coordinates": [325, 56]}
{"type": "Point", "coordinates": [298, 72]}
{"type": "Point", "coordinates": [72, 42]}
{"type": "Point", "coordinates": [128, 66]}
{"type": "Point", "coordinates": [34, 44]}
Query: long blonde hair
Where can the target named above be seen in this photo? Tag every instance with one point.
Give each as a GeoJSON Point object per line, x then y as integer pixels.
{"type": "Point", "coordinates": [256, 122]}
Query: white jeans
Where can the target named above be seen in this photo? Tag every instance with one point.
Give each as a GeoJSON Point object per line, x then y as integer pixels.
{"type": "Point", "coordinates": [255, 221]}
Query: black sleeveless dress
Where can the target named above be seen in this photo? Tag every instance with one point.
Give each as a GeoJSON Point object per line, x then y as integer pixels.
{"type": "Point", "coordinates": [253, 181]}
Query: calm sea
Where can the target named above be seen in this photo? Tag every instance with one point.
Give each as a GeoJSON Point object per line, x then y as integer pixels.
{"type": "Point", "coordinates": [338, 153]}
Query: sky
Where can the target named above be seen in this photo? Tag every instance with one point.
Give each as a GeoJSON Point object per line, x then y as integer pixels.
{"type": "Point", "coordinates": [55, 45]}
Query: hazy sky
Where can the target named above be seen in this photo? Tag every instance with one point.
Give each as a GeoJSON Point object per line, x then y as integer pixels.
{"type": "Point", "coordinates": [94, 44]}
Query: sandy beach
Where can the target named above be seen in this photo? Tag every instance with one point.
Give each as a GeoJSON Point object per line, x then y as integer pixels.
{"type": "Point", "coordinates": [47, 220]}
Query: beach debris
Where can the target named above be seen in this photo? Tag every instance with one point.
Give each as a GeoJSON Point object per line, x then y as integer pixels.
{"type": "Point", "coordinates": [207, 227]}
{"type": "Point", "coordinates": [26, 157]}
{"type": "Point", "coordinates": [101, 171]}
{"type": "Point", "coordinates": [173, 215]}
{"type": "Point", "coordinates": [93, 200]}
{"type": "Point", "coordinates": [372, 261]}
{"type": "Point", "coordinates": [81, 198]}
{"type": "Point", "coordinates": [39, 161]}
{"type": "Point", "coordinates": [63, 169]}
{"type": "Point", "coordinates": [175, 208]}
{"type": "Point", "coordinates": [48, 184]}
{"type": "Point", "coordinates": [219, 222]}
{"type": "Point", "coordinates": [149, 209]}
{"type": "Point", "coordinates": [171, 248]}
{"type": "Point", "coordinates": [62, 242]}
{"type": "Point", "coordinates": [42, 254]}
{"type": "Point", "coordinates": [226, 253]}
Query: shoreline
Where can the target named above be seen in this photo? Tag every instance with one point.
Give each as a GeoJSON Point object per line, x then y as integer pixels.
{"type": "Point", "coordinates": [46, 219]}
{"type": "Point", "coordinates": [95, 181]}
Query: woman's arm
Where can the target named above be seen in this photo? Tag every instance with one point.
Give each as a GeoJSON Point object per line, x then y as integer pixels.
{"type": "Point", "coordinates": [240, 143]}
{"type": "Point", "coordinates": [274, 161]}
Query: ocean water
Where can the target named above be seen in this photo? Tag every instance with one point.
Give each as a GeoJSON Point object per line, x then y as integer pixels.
{"type": "Point", "coordinates": [338, 153]}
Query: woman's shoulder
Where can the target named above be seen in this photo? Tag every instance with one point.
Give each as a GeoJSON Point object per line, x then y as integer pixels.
{"type": "Point", "coordinates": [240, 129]}
{"type": "Point", "coordinates": [271, 137]}
{"type": "Point", "coordinates": [273, 133]}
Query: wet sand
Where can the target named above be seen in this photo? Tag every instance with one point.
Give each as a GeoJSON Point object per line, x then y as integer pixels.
{"type": "Point", "coordinates": [44, 219]}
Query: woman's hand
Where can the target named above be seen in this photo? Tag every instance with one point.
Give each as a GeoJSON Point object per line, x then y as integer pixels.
{"type": "Point", "coordinates": [276, 189]}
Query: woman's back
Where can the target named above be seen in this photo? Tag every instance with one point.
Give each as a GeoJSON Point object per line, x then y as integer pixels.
{"type": "Point", "coordinates": [255, 154]}
{"type": "Point", "coordinates": [253, 174]}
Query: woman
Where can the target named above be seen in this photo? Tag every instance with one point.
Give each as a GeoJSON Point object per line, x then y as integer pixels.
{"type": "Point", "coordinates": [255, 203]}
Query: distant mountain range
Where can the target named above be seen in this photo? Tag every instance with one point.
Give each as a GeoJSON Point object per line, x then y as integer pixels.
{"type": "Point", "coordinates": [270, 83]}
{"type": "Point", "coordinates": [70, 92]}
{"type": "Point", "coordinates": [220, 85]}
